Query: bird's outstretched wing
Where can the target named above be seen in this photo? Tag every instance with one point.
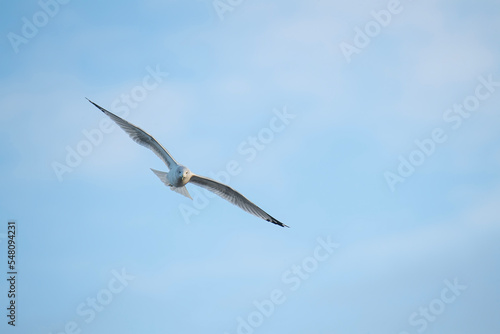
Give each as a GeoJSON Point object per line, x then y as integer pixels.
{"type": "Point", "coordinates": [141, 137]}
{"type": "Point", "coordinates": [234, 197]}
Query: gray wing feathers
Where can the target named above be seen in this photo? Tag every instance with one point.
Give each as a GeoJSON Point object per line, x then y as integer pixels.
{"type": "Point", "coordinates": [141, 137]}
{"type": "Point", "coordinates": [234, 197]}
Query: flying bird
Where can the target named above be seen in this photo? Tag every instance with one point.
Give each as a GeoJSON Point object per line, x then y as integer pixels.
{"type": "Point", "coordinates": [178, 175]}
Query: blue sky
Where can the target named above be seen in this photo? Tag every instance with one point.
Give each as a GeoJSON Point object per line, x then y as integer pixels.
{"type": "Point", "coordinates": [384, 162]}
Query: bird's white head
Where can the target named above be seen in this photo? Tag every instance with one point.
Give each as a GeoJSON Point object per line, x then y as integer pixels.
{"type": "Point", "coordinates": [184, 174]}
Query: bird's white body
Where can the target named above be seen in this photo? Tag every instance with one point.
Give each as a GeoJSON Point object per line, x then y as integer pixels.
{"type": "Point", "coordinates": [176, 179]}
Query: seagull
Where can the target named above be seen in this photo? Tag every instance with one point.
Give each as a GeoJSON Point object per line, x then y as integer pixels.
{"type": "Point", "coordinates": [178, 175]}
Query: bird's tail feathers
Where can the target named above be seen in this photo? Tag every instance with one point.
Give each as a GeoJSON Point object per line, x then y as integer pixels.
{"type": "Point", "coordinates": [181, 190]}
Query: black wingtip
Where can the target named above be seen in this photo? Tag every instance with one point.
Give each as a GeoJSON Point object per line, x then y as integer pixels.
{"type": "Point", "coordinates": [282, 225]}
{"type": "Point", "coordinates": [277, 222]}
